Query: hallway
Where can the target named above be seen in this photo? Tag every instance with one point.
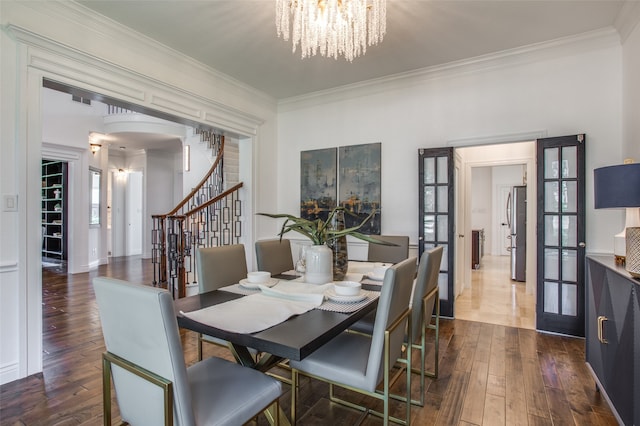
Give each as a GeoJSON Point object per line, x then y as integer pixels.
{"type": "Point", "coordinates": [495, 299]}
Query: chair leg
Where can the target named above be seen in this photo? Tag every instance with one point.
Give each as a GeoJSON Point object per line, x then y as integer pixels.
{"type": "Point", "coordinates": [436, 355]}
{"type": "Point", "coordinates": [106, 391]}
{"type": "Point", "coordinates": [272, 413]}
{"type": "Point", "coordinates": [294, 396]}
{"type": "Point", "coordinates": [199, 347]}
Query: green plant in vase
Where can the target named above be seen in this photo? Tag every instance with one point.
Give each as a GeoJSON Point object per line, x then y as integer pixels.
{"type": "Point", "coordinates": [329, 234]}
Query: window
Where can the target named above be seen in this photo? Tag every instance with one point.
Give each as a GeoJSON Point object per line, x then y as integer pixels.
{"type": "Point", "coordinates": [94, 185]}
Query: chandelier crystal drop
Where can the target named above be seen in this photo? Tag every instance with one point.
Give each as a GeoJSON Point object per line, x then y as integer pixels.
{"type": "Point", "coordinates": [332, 27]}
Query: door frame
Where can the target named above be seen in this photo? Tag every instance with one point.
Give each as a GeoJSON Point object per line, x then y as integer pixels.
{"type": "Point", "coordinates": [460, 275]}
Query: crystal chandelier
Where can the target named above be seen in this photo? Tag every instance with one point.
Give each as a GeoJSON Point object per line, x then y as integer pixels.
{"type": "Point", "coordinates": [332, 27]}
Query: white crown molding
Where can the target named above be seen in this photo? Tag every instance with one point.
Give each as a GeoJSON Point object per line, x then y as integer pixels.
{"type": "Point", "coordinates": [92, 22]}
{"type": "Point", "coordinates": [53, 151]}
{"type": "Point", "coordinates": [75, 67]}
{"type": "Point", "coordinates": [627, 19]}
{"type": "Point", "coordinates": [505, 59]}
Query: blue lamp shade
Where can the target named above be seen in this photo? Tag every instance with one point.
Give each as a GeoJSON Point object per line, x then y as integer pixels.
{"type": "Point", "coordinates": [617, 186]}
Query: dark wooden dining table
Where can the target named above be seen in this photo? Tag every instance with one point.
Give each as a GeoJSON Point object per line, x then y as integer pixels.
{"type": "Point", "coordinates": [292, 339]}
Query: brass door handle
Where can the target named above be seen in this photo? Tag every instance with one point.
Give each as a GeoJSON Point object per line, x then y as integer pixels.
{"type": "Point", "coordinates": [601, 320]}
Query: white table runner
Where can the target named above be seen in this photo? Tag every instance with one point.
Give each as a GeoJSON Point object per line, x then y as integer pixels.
{"type": "Point", "coordinates": [262, 310]}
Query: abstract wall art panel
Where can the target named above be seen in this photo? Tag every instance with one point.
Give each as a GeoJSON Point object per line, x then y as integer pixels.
{"type": "Point", "coordinates": [359, 184]}
{"type": "Point", "coordinates": [318, 183]}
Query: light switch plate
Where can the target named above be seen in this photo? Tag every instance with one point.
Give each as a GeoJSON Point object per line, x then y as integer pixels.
{"type": "Point", "coordinates": [10, 202]}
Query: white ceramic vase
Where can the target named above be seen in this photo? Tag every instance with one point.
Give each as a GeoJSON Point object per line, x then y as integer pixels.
{"type": "Point", "coordinates": [319, 265]}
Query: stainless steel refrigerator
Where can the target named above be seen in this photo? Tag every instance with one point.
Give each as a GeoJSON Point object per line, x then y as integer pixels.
{"type": "Point", "coordinates": [517, 215]}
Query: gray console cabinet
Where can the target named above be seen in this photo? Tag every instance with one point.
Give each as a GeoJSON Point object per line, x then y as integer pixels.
{"type": "Point", "coordinates": [613, 335]}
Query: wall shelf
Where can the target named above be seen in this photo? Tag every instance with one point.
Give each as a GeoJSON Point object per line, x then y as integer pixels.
{"type": "Point", "coordinates": [54, 210]}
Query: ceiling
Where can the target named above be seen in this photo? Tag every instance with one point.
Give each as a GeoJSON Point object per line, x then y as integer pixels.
{"type": "Point", "coordinates": [131, 141]}
{"type": "Point", "coordinates": [238, 37]}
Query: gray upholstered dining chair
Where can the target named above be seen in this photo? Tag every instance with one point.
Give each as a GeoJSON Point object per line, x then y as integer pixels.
{"type": "Point", "coordinates": [425, 298]}
{"type": "Point", "coordinates": [274, 256]}
{"type": "Point", "coordinates": [153, 385]}
{"type": "Point", "coordinates": [389, 253]}
{"type": "Point", "coordinates": [218, 267]}
{"type": "Point", "coordinates": [361, 363]}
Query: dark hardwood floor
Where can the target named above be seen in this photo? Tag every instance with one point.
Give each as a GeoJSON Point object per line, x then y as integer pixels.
{"type": "Point", "coordinates": [489, 374]}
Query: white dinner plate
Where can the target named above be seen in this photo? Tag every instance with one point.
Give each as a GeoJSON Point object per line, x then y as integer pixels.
{"type": "Point", "coordinates": [245, 283]}
{"type": "Point", "coordinates": [331, 295]}
{"type": "Point", "coordinates": [375, 277]}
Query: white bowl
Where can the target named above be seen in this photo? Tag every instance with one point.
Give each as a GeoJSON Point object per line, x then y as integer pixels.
{"type": "Point", "coordinates": [258, 277]}
{"type": "Point", "coordinates": [347, 288]}
{"type": "Point", "coordinates": [380, 269]}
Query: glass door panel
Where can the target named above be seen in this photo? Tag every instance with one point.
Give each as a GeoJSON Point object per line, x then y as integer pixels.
{"type": "Point", "coordinates": [436, 210]}
{"type": "Point", "coordinates": [561, 232]}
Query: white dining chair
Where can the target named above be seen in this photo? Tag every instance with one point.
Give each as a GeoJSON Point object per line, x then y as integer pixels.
{"type": "Point", "coordinates": [424, 299]}
{"type": "Point", "coordinates": [274, 256]}
{"type": "Point", "coordinates": [362, 363]}
{"type": "Point", "coordinates": [144, 357]}
{"type": "Point", "coordinates": [389, 253]}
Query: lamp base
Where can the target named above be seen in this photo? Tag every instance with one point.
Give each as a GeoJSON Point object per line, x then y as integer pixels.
{"type": "Point", "coordinates": [620, 260]}
{"type": "Point", "coordinates": [633, 251]}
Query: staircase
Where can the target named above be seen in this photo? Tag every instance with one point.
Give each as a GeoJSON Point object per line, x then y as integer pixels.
{"type": "Point", "coordinates": [210, 215]}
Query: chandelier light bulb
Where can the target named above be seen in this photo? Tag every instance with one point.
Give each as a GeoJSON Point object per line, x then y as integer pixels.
{"type": "Point", "coordinates": [332, 27]}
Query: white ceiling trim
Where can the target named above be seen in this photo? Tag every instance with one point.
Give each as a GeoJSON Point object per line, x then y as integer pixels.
{"type": "Point", "coordinates": [627, 19]}
{"type": "Point", "coordinates": [77, 69]}
{"type": "Point", "coordinates": [508, 58]}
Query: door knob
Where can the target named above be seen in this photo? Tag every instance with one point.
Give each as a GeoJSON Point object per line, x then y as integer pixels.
{"type": "Point", "coordinates": [582, 244]}
{"type": "Point", "coordinates": [460, 235]}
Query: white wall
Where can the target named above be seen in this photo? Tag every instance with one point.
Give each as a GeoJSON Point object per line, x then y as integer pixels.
{"type": "Point", "coordinates": [481, 196]}
{"type": "Point", "coordinates": [568, 89]}
{"type": "Point", "coordinates": [631, 94]}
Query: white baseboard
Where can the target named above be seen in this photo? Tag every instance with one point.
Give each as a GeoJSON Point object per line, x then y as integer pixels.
{"type": "Point", "coordinates": [9, 373]}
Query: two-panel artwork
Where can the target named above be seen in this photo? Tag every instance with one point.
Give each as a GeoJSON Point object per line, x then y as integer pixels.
{"type": "Point", "coordinates": [347, 176]}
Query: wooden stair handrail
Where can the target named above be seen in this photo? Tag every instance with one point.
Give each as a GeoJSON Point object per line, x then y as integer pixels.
{"type": "Point", "coordinates": [214, 199]}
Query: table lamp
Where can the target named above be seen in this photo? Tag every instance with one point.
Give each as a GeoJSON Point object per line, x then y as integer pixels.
{"type": "Point", "coordinates": [619, 187]}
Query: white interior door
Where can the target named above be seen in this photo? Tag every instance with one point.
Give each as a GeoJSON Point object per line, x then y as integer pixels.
{"type": "Point", "coordinates": [134, 194]}
{"type": "Point", "coordinates": [118, 222]}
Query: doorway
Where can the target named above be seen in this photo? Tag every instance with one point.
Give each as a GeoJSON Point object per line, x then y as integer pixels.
{"type": "Point", "coordinates": [125, 203]}
{"type": "Point", "coordinates": [489, 294]}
